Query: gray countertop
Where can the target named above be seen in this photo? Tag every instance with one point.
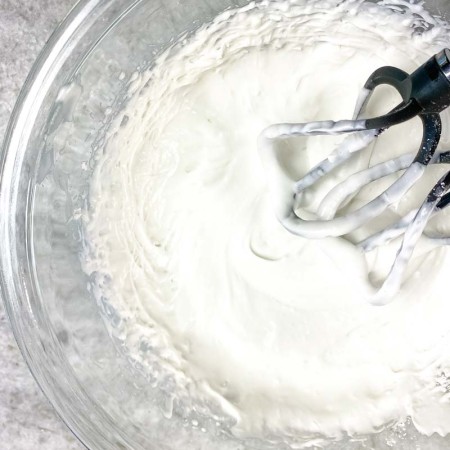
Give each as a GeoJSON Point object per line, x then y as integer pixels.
{"type": "Point", "coordinates": [27, 420]}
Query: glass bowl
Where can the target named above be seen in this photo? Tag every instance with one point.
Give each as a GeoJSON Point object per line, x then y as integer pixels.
{"type": "Point", "coordinates": [77, 87]}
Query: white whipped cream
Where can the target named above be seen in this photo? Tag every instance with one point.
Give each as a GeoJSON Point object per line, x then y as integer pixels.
{"type": "Point", "coordinates": [187, 250]}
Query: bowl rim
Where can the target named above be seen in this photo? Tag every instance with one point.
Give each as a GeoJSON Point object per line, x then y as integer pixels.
{"type": "Point", "coordinates": [17, 133]}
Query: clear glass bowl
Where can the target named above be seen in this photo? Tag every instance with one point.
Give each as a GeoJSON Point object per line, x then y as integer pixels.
{"type": "Point", "coordinates": [77, 87]}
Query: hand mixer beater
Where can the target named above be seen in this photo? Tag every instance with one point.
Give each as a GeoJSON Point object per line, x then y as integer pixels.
{"type": "Point", "coordinates": [425, 93]}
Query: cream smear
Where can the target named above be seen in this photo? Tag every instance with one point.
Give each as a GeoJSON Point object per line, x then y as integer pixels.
{"type": "Point", "coordinates": [209, 289]}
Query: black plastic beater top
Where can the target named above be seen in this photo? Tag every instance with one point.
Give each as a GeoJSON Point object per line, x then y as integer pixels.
{"type": "Point", "coordinates": [425, 93]}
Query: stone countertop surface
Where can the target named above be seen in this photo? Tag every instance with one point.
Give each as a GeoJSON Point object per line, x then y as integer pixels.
{"type": "Point", "coordinates": [27, 420]}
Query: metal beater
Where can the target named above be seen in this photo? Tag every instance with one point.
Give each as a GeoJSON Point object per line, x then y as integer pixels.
{"type": "Point", "coordinates": [425, 93]}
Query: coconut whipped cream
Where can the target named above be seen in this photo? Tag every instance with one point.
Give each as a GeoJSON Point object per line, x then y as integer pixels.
{"type": "Point", "coordinates": [209, 288]}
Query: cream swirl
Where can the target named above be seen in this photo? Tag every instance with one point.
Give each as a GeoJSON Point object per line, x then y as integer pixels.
{"type": "Point", "coordinates": [272, 326]}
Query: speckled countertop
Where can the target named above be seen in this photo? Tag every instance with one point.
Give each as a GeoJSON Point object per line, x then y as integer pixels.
{"type": "Point", "coordinates": [27, 420]}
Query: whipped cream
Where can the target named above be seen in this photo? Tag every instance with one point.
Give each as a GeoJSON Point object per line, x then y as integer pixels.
{"type": "Point", "coordinates": [209, 289]}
